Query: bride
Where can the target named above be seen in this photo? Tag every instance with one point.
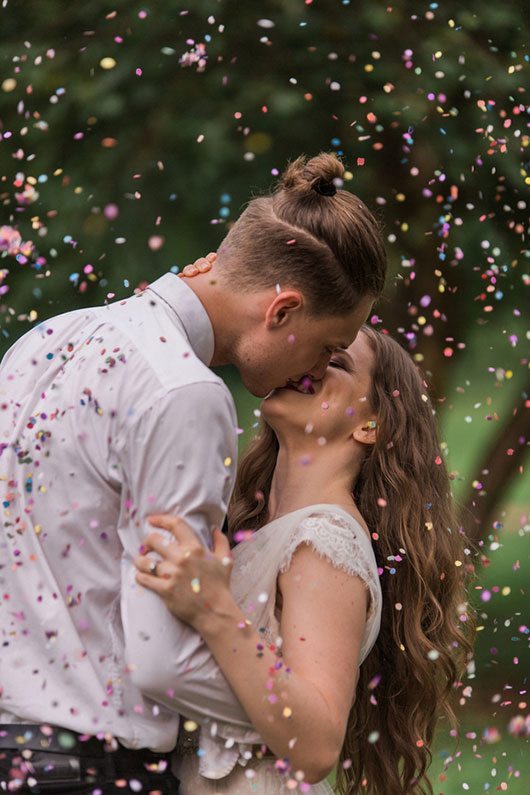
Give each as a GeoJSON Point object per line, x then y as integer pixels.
{"type": "Point", "coordinates": [339, 617]}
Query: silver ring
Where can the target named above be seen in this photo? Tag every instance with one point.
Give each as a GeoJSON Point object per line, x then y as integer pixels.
{"type": "Point", "coordinates": [153, 566]}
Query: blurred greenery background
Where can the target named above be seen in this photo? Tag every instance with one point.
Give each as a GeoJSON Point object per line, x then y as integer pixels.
{"type": "Point", "coordinates": [131, 136]}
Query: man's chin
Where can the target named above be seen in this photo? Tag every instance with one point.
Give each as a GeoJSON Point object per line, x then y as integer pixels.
{"type": "Point", "coordinates": [258, 390]}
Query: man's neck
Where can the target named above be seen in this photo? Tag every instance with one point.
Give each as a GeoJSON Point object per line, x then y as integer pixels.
{"type": "Point", "coordinates": [216, 301]}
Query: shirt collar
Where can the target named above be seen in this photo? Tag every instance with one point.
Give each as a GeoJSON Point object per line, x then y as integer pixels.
{"type": "Point", "coordinates": [190, 311]}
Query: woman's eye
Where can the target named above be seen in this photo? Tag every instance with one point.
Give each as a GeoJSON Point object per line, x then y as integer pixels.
{"type": "Point", "coordinates": [336, 363]}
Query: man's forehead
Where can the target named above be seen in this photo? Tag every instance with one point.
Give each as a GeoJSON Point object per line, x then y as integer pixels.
{"type": "Point", "coordinates": [343, 330]}
{"type": "Point", "coordinates": [345, 338]}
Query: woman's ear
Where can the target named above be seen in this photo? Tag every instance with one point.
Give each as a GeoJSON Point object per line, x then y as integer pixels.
{"type": "Point", "coordinates": [366, 433]}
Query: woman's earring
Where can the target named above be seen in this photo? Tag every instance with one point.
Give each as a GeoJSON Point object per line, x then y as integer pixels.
{"type": "Point", "coordinates": [369, 426]}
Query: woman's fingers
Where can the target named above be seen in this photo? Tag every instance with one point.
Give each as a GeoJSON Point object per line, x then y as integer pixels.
{"type": "Point", "coordinates": [165, 547]}
{"type": "Point", "coordinates": [180, 529]}
{"type": "Point", "coordinates": [221, 546]}
{"type": "Point", "coordinates": [189, 270]}
{"type": "Point", "coordinates": [156, 584]}
{"type": "Point", "coordinates": [201, 265]}
{"type": "Point", "coordinates": [153, 567]}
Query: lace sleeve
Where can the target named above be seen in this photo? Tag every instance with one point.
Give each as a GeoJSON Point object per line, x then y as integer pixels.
{"type": "Point", "coordinates": [337, 540]}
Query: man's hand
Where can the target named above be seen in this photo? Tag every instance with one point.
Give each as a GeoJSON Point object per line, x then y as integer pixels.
{"type": "Point", "coordinates": [201, 265]}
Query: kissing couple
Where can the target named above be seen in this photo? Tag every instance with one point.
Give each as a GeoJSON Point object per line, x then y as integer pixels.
{"type": "Point", "coordinates": [146, 651]}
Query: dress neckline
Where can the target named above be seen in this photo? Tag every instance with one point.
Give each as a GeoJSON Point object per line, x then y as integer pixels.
{"type": "Point", "coordinates": [329, 507]}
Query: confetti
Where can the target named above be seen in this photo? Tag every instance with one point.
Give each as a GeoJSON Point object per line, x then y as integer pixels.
{"type": "Point", "coordinates": [130, 148]}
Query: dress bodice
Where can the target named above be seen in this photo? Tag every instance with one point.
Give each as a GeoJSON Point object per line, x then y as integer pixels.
{"type": "Point", "coordinates": [335, 535]}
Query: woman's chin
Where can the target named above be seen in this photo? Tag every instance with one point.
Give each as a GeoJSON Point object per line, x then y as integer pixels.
{"type": "Point", "coordinates": [281, 402]}
{"type": "Point", "coordinates": [281, 395]}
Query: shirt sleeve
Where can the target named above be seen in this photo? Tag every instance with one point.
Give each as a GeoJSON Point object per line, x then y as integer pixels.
{"type": "Point", "coordinates": [179, 457]}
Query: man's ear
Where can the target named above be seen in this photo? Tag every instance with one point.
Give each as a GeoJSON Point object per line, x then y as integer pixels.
{"type": "Point", "coordinates": [366, 433]}
{"type": "Point", "coordinates": [281, 307]}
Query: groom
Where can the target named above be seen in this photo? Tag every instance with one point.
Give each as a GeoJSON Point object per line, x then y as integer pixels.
{"type": "Point", "coordinates": [108, 415]}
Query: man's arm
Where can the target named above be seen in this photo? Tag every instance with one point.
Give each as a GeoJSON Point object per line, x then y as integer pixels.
{"type": "Point", "coordinates": [179, 457]}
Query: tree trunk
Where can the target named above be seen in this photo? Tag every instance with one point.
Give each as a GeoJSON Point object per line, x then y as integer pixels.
{"type": "Point", "coordinates": [501, 466]}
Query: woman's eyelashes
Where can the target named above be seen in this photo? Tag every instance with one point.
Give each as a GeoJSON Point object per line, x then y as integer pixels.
{"type": "Point", "coordinates": [341, 362]}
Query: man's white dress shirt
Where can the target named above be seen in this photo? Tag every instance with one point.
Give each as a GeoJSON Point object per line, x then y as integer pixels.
{"type": "Point", "coordinates": [107, 415]}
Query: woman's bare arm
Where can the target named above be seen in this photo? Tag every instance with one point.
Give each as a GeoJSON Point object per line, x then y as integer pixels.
{"type": "Point", "coordinates": [299, 703]}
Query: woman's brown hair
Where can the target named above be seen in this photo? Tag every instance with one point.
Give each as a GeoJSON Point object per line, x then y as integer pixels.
{"type": "Point", "coordinates": [403, 492]}
{"type": "Point", "coordinates": [311, 234]}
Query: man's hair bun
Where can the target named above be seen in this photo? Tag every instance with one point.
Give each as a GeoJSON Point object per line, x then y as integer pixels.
{"type": "Point", "coordinates": [319, 175]}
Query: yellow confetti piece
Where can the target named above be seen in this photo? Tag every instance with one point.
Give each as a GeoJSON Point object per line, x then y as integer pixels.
{"type": "Point", "coordinates": [506, 590]}
{"type": "Point", "coordinates": [190, 725]}
{"type": "Point", "coordinates": [227, 462]}
{"type": "Point", "coordinates": [287, 712]}
{"type": "Point", "coordinates": [107, 63]}
{"type": "Point", "coordinates": [458, 562]}
{"type": "Point", "coordinates": [9, 84]}
{"type": "Point", "coordinates": [195, 585]}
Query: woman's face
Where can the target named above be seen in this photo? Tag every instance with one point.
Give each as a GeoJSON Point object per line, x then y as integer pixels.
{"type": "Point", "coordinates": [332, 408]}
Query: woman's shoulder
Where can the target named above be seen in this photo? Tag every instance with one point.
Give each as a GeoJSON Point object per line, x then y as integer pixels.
{"type": "Point", "coordinates": [324, 518]}
{"type": "Point", "coordinates": [334, 533]}
{"type": "Point", "coordinates": [338, 537]}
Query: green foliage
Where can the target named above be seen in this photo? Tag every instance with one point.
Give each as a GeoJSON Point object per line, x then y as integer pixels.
{"type": "Point", "coordinates": [423, 96]}
{"type": "Point", "coordinates": [427, 103]}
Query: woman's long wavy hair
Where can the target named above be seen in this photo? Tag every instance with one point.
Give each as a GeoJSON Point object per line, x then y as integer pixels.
{"type": "Point", "coordinates": [403, 492]}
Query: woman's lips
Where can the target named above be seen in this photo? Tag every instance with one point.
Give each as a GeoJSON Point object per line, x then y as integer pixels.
{"type": "Point", "coordinates": [304, 386]}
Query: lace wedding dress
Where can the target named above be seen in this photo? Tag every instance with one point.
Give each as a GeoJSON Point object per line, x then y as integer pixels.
{"type": "Point", "coordinates": [219, 766]}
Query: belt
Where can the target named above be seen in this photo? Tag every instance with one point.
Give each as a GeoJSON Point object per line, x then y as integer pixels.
{"type": "Point", "coordinates": [188, 743]}
{"type": "Point", "coordinates": [23, 736]}
{"type": "Point", "coordinates": [58, 755]}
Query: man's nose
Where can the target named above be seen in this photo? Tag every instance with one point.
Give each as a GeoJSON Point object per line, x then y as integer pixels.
{"type": "Point", "coordinates": [317, 373]}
